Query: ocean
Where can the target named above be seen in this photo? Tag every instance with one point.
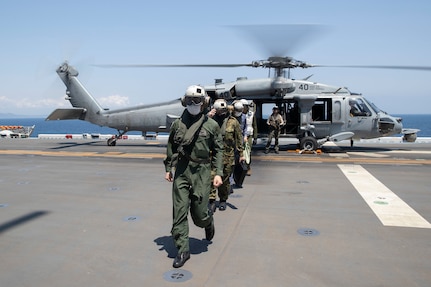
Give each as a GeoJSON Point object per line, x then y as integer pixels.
{"type": "Point", "coordinates": [422, 122]}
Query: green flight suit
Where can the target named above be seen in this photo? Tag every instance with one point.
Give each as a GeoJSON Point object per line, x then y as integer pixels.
{"type": "Point", "coordinates": [192, 179]}
{"type": "Point", "coordinates": [232, 140]}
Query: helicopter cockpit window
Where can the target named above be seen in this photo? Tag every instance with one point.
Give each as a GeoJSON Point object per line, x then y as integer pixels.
{"type": "Point", "coordinates": [374, 107]}
{"type": "Point", "coordinates": [358, 108]}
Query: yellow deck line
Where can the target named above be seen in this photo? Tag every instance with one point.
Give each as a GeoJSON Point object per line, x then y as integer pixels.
{"type": "Point", "coordinates": [278, 158]}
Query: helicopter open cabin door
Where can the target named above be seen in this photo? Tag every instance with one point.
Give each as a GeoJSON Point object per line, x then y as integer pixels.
{"type": "Point", "coordinates": [321, 114]}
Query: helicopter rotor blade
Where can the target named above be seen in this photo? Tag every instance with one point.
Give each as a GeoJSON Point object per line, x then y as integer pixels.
{"type": "Point", "coordinates": [173, 65]}
{"type": "Point", "coordinates": [389, 67]}
{"type": "Point", "coordinates": [279, 40]}
{"type": "Point", "coordinates": [276, 41]}
{"type": "Point", "coordinates": [267, 64]}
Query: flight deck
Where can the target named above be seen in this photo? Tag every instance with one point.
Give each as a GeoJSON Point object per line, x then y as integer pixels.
{"type": "Point", "coordinates": [77, 212]}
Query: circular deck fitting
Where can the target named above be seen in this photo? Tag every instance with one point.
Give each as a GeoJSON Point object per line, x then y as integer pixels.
{"type": "Point", "coordinates": [308, 232]}
{"type": "Point", "coordinates": [294, 192]}
{"type": "Point", "coordinates": [131, 218]}
{"type": "Point", "coordinates": [23, 182]}
{"type": "Point", "coordinates": [178, 275]}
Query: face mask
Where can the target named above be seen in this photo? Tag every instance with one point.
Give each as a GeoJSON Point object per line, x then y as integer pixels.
{"type": "Point", "coordinates": [237, 114]}
{"type": "Point", "coordinates": [194, 109]}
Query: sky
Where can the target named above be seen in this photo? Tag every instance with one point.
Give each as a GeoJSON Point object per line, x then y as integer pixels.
{"type": "Point", "coordinates": [37, 36]}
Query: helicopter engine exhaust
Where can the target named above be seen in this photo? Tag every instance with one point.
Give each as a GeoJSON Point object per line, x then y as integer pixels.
{"type": "Point", "coordinates": [258, 87]}
{"type": "Point", "coordinates": [283, 86]}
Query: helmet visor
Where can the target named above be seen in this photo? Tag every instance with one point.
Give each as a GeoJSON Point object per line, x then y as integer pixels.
{"type": "Point", "coordinates": [193, 100]}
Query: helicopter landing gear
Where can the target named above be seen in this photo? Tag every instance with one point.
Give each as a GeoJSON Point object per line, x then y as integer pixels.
{"type": "Point", "coordinates": [410, 137]}
{"type": "Point", "coordinates": [308, 143]}
{"type": "Point", "coordinates": [113, 141]}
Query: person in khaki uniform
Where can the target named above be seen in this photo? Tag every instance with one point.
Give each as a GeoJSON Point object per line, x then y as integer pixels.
{"type": "Point", "coordinates": [232, 139]}
{"type": "Point", "coordinates": [194, 147]}
{"type": "Point", "coordinates": [275, 122]}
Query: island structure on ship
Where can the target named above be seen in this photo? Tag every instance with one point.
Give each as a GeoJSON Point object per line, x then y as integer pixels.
{"type": "Point", "coordinates": [15, 131]}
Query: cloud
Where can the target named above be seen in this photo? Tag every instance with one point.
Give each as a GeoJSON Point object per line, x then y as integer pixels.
{"type": "Point", "coordinates": [114, 101]}
{"type": "Point", "coordinates": [26, 103]}
{"type": "Point", "coordinates": [46, 105]}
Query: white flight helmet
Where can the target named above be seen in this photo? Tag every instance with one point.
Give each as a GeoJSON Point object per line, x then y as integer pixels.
{"type": "Point", "coordinates": [194, 95]}
{"type": "Point", "coordinates": [238, 106]}
{"type": "Point", "coordinates": [220, 105]}
{"type": "Point", "coordinates": [195, 91]}
{"type": "Point", "coordinates": [244, 102]}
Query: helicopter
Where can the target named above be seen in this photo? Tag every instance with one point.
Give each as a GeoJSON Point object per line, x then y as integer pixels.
{"type": "Point", "coordinates": [314, 113]}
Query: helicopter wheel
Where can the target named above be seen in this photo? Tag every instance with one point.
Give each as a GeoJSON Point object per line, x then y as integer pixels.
{"type": "Point", "coordinates": [112, 142]}
{"type": "Point", "coordinates": [308, 143]}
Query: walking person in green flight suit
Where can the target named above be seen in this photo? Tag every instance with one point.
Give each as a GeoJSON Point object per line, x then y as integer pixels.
{"type": "Point", "coordinates": [195, 146]}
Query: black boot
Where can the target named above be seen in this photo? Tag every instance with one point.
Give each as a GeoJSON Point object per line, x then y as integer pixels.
{"type": "Point", "coordinates": [181, 259]}
{"type": "Point", "coordinates": [212, 206]}
{"type": "Point", "coordinates": [209, 231]}
{"type": "Point", "coordinates": [222, 206]}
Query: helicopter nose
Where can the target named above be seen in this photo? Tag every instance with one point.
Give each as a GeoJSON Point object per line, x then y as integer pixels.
{"type": "Point", "coordinates": [389, 125]}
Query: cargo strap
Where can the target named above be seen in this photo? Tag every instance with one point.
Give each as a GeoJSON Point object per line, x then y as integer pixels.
{"type": "Point", "coordinates": [187, 140]}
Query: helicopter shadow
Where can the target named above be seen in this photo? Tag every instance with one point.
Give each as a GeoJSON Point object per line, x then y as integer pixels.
{"type": "Point", "coordinates": [282, 147]}
{"type": "Point", "coordinates": [65, 145]}
{"type": "Point", "coordinates": [345, 149]}
{"type": "Point", "coordinates": [166, 243]}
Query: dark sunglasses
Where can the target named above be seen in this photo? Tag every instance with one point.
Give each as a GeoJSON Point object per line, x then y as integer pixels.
{"type": "Point", "coordinates": [193, 100]}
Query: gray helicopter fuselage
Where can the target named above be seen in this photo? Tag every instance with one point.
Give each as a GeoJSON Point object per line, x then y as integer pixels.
{"type": "Point", "coordinates": [145, 118]}
{"type": "Point", "coordinates": [309, 109]}
{"type": "Point", "coordinates": [331, 112]}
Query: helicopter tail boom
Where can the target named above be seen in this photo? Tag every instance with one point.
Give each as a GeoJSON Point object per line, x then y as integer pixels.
{"type": "Point", "coordinates": [85, 106]}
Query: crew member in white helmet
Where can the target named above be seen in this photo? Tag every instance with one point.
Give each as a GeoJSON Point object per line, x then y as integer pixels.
{"type": "Point", "coordinates": [250, 131]}
{"type": "Point", "coordinates": [195, 147]}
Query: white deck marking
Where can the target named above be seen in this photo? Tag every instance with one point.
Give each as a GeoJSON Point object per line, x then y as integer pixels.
{"type": "Point", "coordinates": [368, 154]}
{"type": "Point", "coordinates": [337, 154]}
{"type": "Point", "coordinates": [388, 207]}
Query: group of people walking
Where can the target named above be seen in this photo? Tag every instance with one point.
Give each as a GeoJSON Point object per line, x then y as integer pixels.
{"type": "Point", "coordinates": [202, 150]}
